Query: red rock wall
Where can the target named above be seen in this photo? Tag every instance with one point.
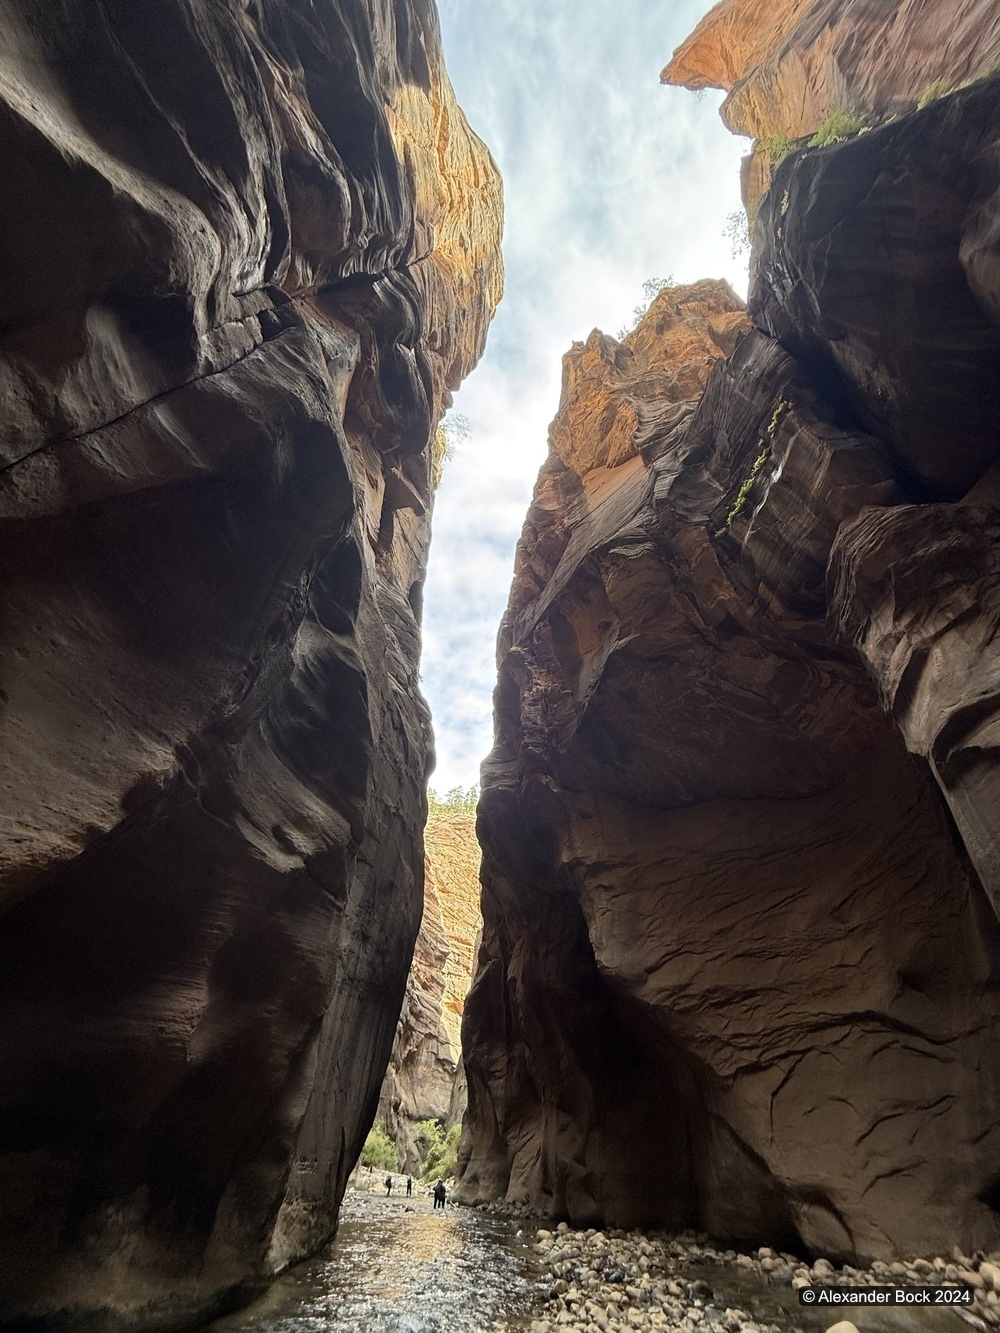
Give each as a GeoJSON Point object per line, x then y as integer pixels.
{"type": "Point", "coordinates": [234, 301]}
{"type": "Point", "coordinates": [425, 1080]}
{"type": "Point", "coordinates": [787, 66]}
{"type": "Point", "coordinates": [740, 827]}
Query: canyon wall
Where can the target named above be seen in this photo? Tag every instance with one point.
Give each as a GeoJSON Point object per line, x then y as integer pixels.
{"type": "Point", "coordinates": [741, 953]}
{"type": "Point", "coordinates": [788, 66]}
{"type": "Point", "coordinates": [248, 251]}
{"type": "Point", "coordinates": [425, 1079]}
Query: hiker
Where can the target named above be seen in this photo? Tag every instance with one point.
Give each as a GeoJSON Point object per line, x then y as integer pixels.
{"type": "Point", "coordinates": [388, 1186]}
{"type": "Point", "coordinates": [409, 1186]}
{"type": "Point", "coordinates": [440, 1194]}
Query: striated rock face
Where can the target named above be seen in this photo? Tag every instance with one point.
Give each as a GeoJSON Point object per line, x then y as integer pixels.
{"type": "Point", "coordinates": [425, 1079]}
{"type": "Point", "coordinates": [787, 65]}
{"type": "Point", "coordinates": [248, 250]}
{"type": "Point", "coordinates": [739, 970]}
{"type": "Point", "coordinates": [910, 347]}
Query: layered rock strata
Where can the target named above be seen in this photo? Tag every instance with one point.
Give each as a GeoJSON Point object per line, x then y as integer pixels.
{"type": "Point", "coordinates": [788, 66]}
{"type": "Point", "coordinates": [248, 250]}
{"type": "Point", "coordinates": [425, 1079]}
{"type": "Point", "coordinates": [740, 966]}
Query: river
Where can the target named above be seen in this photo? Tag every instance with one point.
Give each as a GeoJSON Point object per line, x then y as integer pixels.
{"type": "Point", "coordinates": [396, 1266]}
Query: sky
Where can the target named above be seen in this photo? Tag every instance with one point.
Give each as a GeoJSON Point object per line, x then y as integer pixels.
{"type": "Point", "coordinates": [610, 179]}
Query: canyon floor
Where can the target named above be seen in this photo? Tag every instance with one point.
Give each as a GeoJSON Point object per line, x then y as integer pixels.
{"type": "Point", "coordinates": [397, 1266]}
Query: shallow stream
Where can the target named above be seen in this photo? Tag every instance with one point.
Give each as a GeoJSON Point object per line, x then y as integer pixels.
{"type": "Point", "coordinates": [396, 1266]}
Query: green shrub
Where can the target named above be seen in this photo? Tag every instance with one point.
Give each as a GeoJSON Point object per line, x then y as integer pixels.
{"type": "Point", "coordinates": [743, 494]}
{"type": "Point", "coordinates": [454, 429]}
{"type": "Point", "coordinates": [442, 1160]}
{"type": "Point", "coordinates": [737, 232]}
{"type": "Point", "coordinates": [379, 1151]}
{"type": "Point", "coordinates": [651, 289]}
{"type": "Point", "coordinates": [838, 126]}
{"type": "Point", "coordinates": [776, 146]}
{"type": "Point", "coordinates": [932, 92]}
{"type": "Point", "coordinates": [756, 468]}
{"type": "Point", "coordinates": [780, 408]}
{"type": "Point", "coordinates": [456, 801]}
{"type": "Point", "coordinates": [427, 1134]}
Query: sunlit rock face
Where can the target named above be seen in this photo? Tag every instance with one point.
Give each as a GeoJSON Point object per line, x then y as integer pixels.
{"type": "Point", "coordinates": [425, 1079]}
{"type": "Point", "coordinates": [786, 65]}
{"type": "Point", "coordinates": [247, 251]}
{"type": "Point", "coordinates": [740, 965]}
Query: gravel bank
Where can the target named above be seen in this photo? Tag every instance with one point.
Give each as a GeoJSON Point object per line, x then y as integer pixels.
{"type": "Point", "coordinates": [630, 1282]}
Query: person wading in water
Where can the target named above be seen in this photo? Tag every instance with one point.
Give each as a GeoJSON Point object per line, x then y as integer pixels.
{"type": "Point", "coordinates": [440, 1194]}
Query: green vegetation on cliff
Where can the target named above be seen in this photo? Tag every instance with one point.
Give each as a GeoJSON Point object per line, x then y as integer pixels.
{"type": "Point", "coordinates": [442, 1159]}
{"type": "Point", "coordinates": [838, 126]}
{"type": "Point", "coordinates": [379, 1150]}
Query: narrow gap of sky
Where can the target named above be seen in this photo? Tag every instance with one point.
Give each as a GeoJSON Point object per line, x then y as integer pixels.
{"type": "Point", "coordinates": [609, 179]}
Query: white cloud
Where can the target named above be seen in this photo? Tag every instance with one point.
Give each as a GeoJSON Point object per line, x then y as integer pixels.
{"type": "Point", "coordinates": [610, 179]}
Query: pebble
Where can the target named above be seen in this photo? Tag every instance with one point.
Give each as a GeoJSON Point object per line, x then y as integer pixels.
{"type": "Point", "coordinates": [619, 1281]}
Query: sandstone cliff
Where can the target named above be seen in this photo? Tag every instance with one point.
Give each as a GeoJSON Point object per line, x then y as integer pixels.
{"type": "Point", "coordinates": [425, 1079]}
{"type": "Point", "coordinates": [787, 66]}
{"type": "Point", "coordinates": [740, 966]}
{"type": "Point", "coordinates": [247, 251]}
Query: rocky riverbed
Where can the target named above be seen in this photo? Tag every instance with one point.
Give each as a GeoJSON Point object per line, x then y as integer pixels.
{"type": "Point", "coordinates": [618, 1281]}
{"type": "Point", "coordinates": [399, 1267]}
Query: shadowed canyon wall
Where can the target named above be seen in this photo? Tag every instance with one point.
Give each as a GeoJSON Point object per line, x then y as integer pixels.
{"type": "Point", "coordinates": [741, 954]}
{"type": "Point", "coordinates": [425, 1079]}
{"type": "Point", "coordinates": [248, 250]}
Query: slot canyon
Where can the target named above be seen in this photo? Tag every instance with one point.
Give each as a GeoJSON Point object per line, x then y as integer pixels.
{"type": "Point", "coordinates": [724, 962]}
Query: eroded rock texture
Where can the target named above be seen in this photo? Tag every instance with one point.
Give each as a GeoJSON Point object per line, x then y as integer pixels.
{"type": "Point", "coordinates": [786, 65]}
{"type": "Point", "coordinates": [739, 970]}
{"type": "Point", "coordinates": [247, 251]}
{"type": "Point", "coordinates": [425, 1079]}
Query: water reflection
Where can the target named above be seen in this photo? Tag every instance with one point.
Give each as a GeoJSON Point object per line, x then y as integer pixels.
{"type": "Point", "coordinates": [398, 1267]}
